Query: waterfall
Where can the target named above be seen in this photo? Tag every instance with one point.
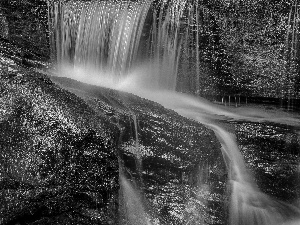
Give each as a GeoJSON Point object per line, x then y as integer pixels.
{"type": "Point", "coordinates": [114, 37]}
{"type": "Point", "coordinates": [107, 37]}
{"type": "Point", "coordinates": [103, 35]}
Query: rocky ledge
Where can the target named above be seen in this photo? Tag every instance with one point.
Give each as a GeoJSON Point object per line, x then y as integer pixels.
{"type": "Point", "coordinates": [65, 145]}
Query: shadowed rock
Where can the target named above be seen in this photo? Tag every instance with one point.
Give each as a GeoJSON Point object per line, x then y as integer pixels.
{"type": "Point", "coordinates": [58, 156]}
{"type": "Point", "coordinates": [62, 147]}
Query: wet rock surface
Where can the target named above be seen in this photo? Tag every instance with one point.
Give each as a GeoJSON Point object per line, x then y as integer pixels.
{"type": "Point", "coordinates": [24, 22]}
{"type": "Point", "coordinates": [65, 145]}
{"type": "Point", "coordinates": [174, 162]}
{"type": "Point", "coordinates": [58, 156]}
{"type": "Point", "coordinates": [272, 152]}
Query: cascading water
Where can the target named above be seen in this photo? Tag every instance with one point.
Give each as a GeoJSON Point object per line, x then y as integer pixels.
{"type": "Point", "coordinates": [106, 36]}
{"type": "Point", "coordinates": [101, 42]}
{"type": "Point", "coordinates": [131, 204]}
{"type": "Point", "coordinates": [248, 205]}
{"type": "Point", "coordinates": [102, 35]}
{"type": "Point", "coordinates": [137, 147]}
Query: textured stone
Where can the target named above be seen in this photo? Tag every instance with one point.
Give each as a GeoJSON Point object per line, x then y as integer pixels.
{"type": "Point", "coordinates": [64, 146]}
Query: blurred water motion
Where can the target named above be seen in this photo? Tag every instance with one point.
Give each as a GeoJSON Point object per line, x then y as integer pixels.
{"type": "Point", "coordinates": [104, 37]}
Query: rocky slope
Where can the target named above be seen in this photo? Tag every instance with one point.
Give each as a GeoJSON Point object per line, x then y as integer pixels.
{"type": "Point", "coordinates": [65, 145]}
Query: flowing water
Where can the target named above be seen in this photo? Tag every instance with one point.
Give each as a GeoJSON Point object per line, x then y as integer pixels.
{"type": "Point", "coordinates": [131, 204]}
{"type": "Point", "coordinates": [100, 42]}
{"type": "Point", "coordinates": [248, 204]}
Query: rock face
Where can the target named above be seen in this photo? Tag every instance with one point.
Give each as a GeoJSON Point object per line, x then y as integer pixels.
{"type": "Point", "coordinates": [174, 162]}
{"type": "Point", "coordinates": [72, 153]}
{"type": "Point", "coordinates": [25, 23]}
{"type": "Point", "coordinates": [272, 152]}
{"type": "Point", "coordinates": [78, 154]}
{"type": "Point", "coordinates": [3, 26]}
{"type": "Point", "coordinates": [58, 156]}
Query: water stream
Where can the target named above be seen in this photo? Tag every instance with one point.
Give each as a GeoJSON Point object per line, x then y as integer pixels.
{"type": "Point", "coordinates": [248, 206]}
{"type": "Point", "coordinates": [98, 42]}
